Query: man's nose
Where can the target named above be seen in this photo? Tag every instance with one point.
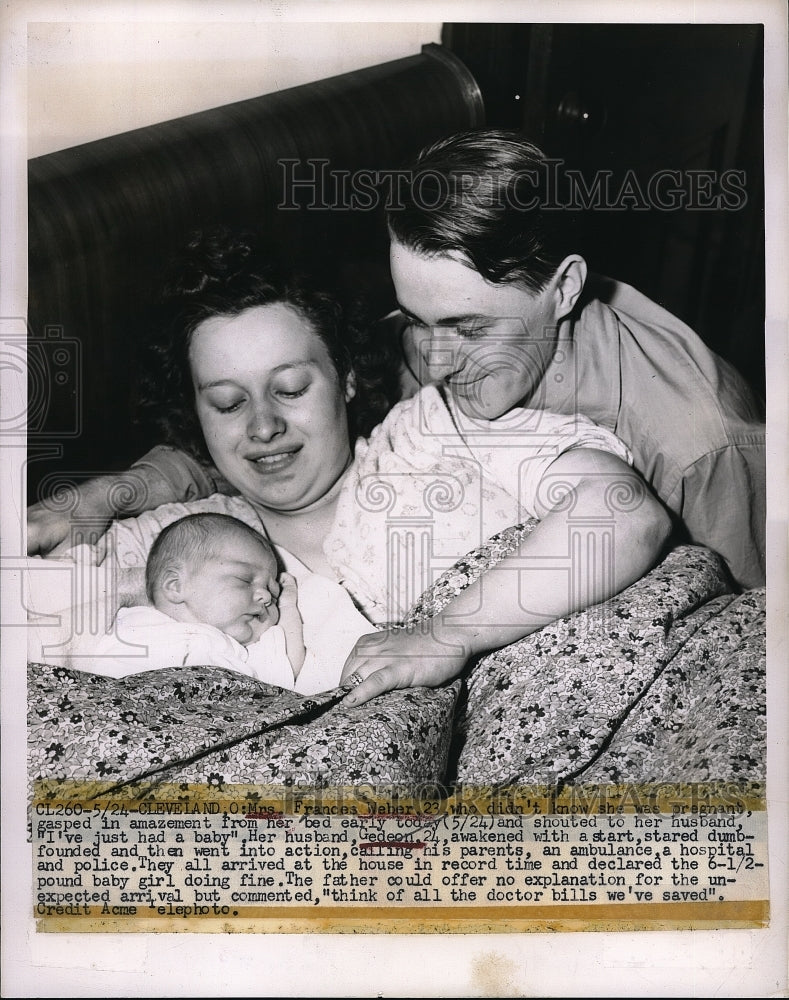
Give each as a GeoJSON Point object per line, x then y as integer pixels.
{"type": "Point", "coordinates": [265, 421]}
{"type": "Point", "coordinates": [440, 355]}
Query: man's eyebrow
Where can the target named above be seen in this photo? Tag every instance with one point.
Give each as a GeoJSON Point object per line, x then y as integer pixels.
{"type": "Point", "coordinates": [409, 315]}
{"type": "Point", "coordinates": [447, 320]}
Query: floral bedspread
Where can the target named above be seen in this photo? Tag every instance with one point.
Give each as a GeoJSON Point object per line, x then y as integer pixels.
{"type": "Point", "coordinates": [664, 682]}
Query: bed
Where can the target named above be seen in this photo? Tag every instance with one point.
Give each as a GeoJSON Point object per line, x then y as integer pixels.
{"type": "Point", "coordinates": [664, 682]}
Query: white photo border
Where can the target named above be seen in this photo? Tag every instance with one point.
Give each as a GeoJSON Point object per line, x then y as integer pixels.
{"type": "Point", "coordinates": [703, 963]}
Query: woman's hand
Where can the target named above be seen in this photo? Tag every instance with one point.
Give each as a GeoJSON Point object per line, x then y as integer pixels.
{"type": "Point", "coordinates": [399, 658]}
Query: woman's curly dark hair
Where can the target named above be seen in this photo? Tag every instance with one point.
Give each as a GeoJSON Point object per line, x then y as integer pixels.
{"type": "Point", "coordinates": [222, 273]}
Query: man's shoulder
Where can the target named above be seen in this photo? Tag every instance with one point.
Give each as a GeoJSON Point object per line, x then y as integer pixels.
{"type": "Point", "coordinates": [662, 362]}
{"type": "Point", "coordinates": [678, 405]}
{"type": "Point", "coordinates": [606, 300]}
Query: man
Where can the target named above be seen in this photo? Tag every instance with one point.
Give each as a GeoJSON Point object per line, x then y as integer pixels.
{"type": "Point", "coordinates": [503, 314]}
{"type": "Point", "coordinates": [496, 306]}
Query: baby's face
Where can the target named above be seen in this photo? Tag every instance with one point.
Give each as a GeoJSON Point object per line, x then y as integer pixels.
{"type": "Point", "coordinates": [236, 590]}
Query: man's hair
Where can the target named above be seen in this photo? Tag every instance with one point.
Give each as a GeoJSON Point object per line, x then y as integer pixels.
{"type": "Point", "coordinates": [224, 272]}
{"type": "Point", "coordinates": [484, 195]}
{"type": "Point", "coordinates": [193, 539]}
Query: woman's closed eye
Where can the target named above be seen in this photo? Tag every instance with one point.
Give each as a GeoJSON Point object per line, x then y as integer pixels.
{"type": "Point", "coordinates": [291, 390]}
{"type": "Point", "coordinates": [227, 405]}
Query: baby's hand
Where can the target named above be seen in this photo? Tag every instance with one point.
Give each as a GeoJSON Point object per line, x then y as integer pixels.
{"type": "Point", "coordinates": [291, 623]}
{"type": "Point", "coordinates": [288, 594]}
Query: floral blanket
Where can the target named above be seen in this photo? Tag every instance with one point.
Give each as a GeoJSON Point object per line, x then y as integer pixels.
{"type": "Point", "coordinates": [666, 681]}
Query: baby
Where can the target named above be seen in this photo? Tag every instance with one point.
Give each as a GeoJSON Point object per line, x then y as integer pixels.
{"type": "Point", "coordinates": [214, 574]}
{"type": "Point", "coordinates": [216, 600]}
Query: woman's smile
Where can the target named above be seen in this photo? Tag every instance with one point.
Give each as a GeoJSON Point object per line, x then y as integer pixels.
{"type": "Point", "coordinates": [277, 461]}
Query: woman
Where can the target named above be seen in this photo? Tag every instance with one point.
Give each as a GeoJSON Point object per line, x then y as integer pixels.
{"type": "Point", "coordinates": [253, 371]}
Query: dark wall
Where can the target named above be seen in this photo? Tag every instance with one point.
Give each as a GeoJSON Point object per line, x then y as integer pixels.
{"type": "Point", "coordinates": [105, 217]}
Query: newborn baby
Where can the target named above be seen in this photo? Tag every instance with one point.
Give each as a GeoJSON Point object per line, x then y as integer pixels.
{"type": "Point", "coordinates": [214, 570]}
{"type": "Point", "coordinates": [216, 601]}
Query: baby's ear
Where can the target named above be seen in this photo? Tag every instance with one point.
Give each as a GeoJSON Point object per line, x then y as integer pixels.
{"type": "Point", "coordinates": [171, 585]}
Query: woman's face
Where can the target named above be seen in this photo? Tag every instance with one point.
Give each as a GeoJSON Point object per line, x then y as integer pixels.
{"type": "Point", "coordinates": [271, 407]}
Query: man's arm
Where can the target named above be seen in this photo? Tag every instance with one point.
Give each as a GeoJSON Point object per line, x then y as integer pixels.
{"type": "Point", "coordinates": [548, 578]}
{"type": "Point", "coordinates": [164, 475]}
{"type": "Point", "coordinates": [724, 507]}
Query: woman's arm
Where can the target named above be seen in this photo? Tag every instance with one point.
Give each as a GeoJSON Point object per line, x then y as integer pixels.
{"type": "Point", "coordinates": [601, 530]}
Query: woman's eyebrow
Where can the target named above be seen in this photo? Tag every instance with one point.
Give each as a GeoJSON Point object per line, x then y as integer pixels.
{"type": "Point", "coordinates": [217, 382]}
{"type": "Point", "coordinates": [232, 382]}
{"type": "Point", "coordinates": [409, 315]}
{"type": "Point", "coordinates": [461, 320]}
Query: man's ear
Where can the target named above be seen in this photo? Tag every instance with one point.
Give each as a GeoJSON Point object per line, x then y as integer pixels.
{"type": "Point", "coordinates": [569, 281]}
{"type": "Point", "coordinates": [350, 386]}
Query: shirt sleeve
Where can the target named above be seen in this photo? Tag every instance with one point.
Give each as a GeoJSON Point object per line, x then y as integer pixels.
{"type": "Point", "coordinates": [187, 478]}
{"type": "Point", "coordinates": [722, 502]}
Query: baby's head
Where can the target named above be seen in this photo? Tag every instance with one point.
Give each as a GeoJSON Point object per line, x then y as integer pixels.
{"type": "Point", "coordinates": [214, 569]}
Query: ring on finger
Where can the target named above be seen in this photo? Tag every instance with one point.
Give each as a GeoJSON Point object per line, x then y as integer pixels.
{"type": "Point", "coordinates": [355, 679]}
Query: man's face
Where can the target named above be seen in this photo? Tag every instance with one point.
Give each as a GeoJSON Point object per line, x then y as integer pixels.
{"type": "Point", "coordinates": [490, 344]}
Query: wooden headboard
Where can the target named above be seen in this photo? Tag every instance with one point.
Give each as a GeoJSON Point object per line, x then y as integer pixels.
{"type": "Point", "coordinates": [104, 218]}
